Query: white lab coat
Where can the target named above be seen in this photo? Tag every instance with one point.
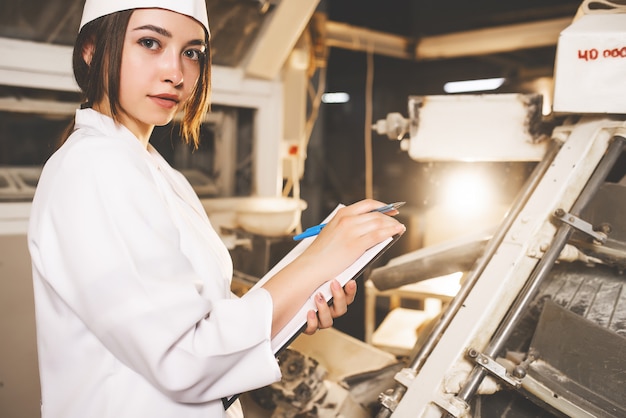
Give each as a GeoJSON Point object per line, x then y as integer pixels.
{"type": "Point", "coordinates": [135, 317]}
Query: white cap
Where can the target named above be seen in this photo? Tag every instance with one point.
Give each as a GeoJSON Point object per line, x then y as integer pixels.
{"type": "Point", "coordinates": [193, 8]}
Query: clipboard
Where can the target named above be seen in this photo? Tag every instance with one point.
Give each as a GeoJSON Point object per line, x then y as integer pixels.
{"type": "Point", "coordinates": [298, 323]}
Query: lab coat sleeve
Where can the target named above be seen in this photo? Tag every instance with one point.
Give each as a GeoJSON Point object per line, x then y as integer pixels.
{"type": "Point", "coordinates": [112, 254]}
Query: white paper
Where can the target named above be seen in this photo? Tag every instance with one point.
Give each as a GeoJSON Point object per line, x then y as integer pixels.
{"type": "Point", "coordinates": [296, 323]}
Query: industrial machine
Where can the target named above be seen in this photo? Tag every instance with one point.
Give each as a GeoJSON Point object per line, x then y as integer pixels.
{"type": "Point", "coordinates": [538, 327]}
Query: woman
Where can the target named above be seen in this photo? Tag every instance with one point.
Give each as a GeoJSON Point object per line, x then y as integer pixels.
{"type": "Point", "coordinates": [132, 285]}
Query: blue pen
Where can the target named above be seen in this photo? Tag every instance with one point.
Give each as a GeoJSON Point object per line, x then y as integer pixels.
{"type": "Point", "coordinates": [314, 230]}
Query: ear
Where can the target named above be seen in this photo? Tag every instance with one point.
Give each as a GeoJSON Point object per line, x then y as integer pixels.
{"type": "Point", "coordinates": [88, 51]}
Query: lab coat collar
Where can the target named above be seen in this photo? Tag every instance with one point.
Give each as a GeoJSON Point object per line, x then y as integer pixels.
{"type": "Point", "coordinates": [93, 121]}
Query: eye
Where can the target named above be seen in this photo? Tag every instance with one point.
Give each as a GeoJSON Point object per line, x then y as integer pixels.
{"type": "Point", "coordinates": [193, 54]}
{"type": "Point", "coordinates": [149, 43]}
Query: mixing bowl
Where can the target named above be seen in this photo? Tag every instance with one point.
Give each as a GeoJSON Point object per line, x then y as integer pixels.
{"type": "Point", "coordinates": [269, 216]}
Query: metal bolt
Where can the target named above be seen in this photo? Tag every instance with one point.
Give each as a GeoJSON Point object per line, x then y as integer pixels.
{"type": "Point", "coordinates": [519, 372]}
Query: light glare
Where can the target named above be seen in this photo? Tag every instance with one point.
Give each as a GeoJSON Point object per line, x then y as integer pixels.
{"type": "Point", "coordinates": [466, 193]}
{"type": "Point", "coordinates": [485, 84]}
{"type": "Point", "coordinates": [339, 97]}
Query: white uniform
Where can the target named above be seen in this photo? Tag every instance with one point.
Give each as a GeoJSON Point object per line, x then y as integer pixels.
{"type": "Point", "coordinates": [135, 317]}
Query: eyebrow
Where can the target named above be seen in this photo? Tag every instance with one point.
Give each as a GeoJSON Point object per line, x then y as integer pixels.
{"type": "Point", "coordinates": [157, 29]}
{"type": "Point", "coordinates": [168, 34]}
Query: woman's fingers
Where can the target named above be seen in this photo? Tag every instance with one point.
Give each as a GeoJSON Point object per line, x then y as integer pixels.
{"type": "Point", "coordinates": [311, 323]}
{"type": "Point", "coordinates": [360, 207]}
{"type": "Point", "coordinates": [360, 220]}
{"type": "Point", "coordinates": [324, 312]}
{"type": "Point", "coordinates": [342, 297]}
{"type": "Point", "coordinates": [350, 291]}
{"type": "Point", "coordinates": [323, 318]}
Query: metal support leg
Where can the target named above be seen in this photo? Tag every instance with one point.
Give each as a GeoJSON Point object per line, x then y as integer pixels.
{"type": "Point", "coordinates": [543, 268]}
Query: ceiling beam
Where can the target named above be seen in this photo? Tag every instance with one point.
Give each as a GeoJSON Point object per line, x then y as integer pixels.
{"type": "Point", "coordinates": [52, 108]}
{"type": "Point", "coordinates": [278, 38]}
{"type": "Point", "coordinates": [453, 45]}
{"type": "Point", "coordinates": [36, 65]}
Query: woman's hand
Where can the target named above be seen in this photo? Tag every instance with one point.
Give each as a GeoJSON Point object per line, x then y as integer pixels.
{"type": "Point", "coordinates": [342, 297]}
{"type": "Point", "coordinates": [352, 231]}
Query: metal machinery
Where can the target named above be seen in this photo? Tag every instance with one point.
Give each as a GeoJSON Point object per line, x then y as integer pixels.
{"type": "Point", "coordinates": [541, 313]}
{"type": "Point", "coordinates": [538, 327]}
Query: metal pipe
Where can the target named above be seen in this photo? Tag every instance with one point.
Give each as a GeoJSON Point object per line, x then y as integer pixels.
{"type": "Point", "coordinates": [543, 268]}
{"type": "Point", "coordinates": [432, 261]}
{"type": "Point", "coordinates": [472, 276]}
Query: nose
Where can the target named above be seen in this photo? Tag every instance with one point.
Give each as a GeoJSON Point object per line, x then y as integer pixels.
{"type": "Point", "coordinates": [172, 71]}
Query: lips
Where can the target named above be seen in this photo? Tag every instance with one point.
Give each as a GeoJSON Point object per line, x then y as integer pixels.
{"type": "Point", "coordinates": [166, 101]}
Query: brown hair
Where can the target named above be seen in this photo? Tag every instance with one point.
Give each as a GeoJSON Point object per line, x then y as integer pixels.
{"type": "Point", "coordinates": [102, 75]}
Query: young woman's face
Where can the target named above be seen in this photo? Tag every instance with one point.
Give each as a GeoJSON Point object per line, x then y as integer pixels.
{"type": "Point", "coordinates": [160, 67]}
